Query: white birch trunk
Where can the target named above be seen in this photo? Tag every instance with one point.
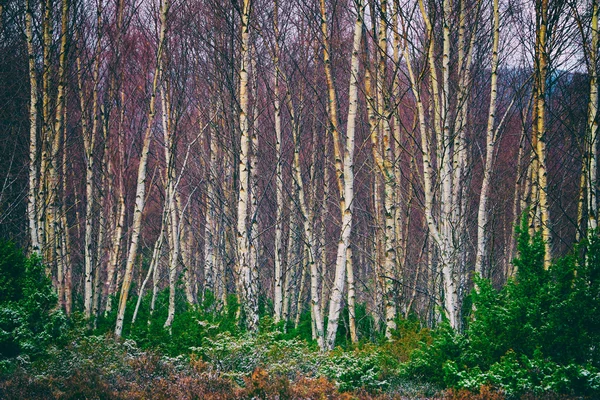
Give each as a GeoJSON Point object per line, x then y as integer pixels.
{"type": "Point", "coordinates": [482, 214]}
{"type": "Point", "coordinates": [278, 284]}
{"type": "Point", "coordinates": [210, 227]}
{"type": "Point", "coordinates": [153, 265]}
{"type": "Point", "coordinates": [351, 295]}
{"type": "Point", "coordinates": [172, 210]}
{"type": "Point", "coordinates": [592, 200]}
{"type": "Point", "coordinates": [335, 302]}
{"type": "Point", "coordinates": [141, 177]}
{"type": "Point", "coordinates": [248, 300]}
{"type": "Point", "coordinates": [253, 211]}
{"type": "Point", "coordinates": [309, 239]}
{"type": "Point", "coordinates": [32, 209]}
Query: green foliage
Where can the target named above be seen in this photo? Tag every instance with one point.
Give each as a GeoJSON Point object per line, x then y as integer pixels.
{"type": "Point", "coordinates": [191, 324]}
{"type": "Point", "coordinates": [361, 368]}
{"type": "Point", "coordinates": [409, 336]}
{"type": "Point", "coordinates": [555, 312]}
{"type": "Point", "coordinates": [517, 375]}
{"type": "Point", "coordinates": [428, 363]}
{"type": "Point", "coordinates": [366, 329]}
{"type": "Point", "coordinates": [539, 334]}
{"type": "Point", "coordinates": [237, 356]}
{"type": "Point", "coordinates": [303, 331]}
{"type": "Point", "coordinates": [12, 273]}
{"type": "Point", "coordinates": [29, 321]}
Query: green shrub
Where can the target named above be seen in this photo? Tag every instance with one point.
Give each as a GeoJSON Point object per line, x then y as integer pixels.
{"type": "Point", "coordinates": [29, 320]}
{"type": "Point", "coordinates": [356, 369]}
{"type": "Point", "coordinates": [538, 334]}
{"type": "Point", "coordinates": [428, 363]}
{"type": "Point", "coordinates": [238, 356]}
{"type": "Point", "coordinates": [555, 312]}
{"type": "Point", "coordinates": [366, 329]}
{"type": "Point", "coordinates": [518, 375]}
{"type": "Point", "coordinates": [409, 336]}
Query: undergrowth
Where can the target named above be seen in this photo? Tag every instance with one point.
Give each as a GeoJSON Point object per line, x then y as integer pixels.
{"type": "Point", "coordinates": [538, 337]}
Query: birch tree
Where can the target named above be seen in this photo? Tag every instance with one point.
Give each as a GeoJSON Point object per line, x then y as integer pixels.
{"type": "Point", "coordinates": [381, 140]}
{"type": "Point", "coordinates": [443, 171]}
{"type": "Point", "coordinates": [278, 284]}
{"type": "Point", "coordinates": [590, 159]}
{"type": "Point", "coordinates": [491, 137]}
{"type": "Point", "coordinates": [32, 201]}
{"type": "Point", "coordinates": [141, 174]}
{"type": "Point", "coordinates": [244, 233]}
{"type": "Point", "coordinates": [90, 134]}
{"type": "Point", "coordinates": [540, 208]}
{"type": "Point", "coordinates": [344, 167]}
{"type": "Point", "coordinates": [592, 135]}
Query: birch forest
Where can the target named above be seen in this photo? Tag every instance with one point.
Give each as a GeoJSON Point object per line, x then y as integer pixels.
{"type": "Point", "coordinates": [405, 190]}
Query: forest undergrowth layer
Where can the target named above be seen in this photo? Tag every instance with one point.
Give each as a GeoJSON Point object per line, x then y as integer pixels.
{"type": "Point", "coordinates": [537, 337]}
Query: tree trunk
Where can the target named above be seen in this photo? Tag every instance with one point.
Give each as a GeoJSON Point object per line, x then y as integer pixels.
{"type": "Point", "coordinates": [249, 301]}
{"type": "Point", "coordinates": [141, 177]}
{"type": "Point", "coordinates": [346, 182]}
{"type": "Point", "coordinates": [482, 215]}
{"type": "Point", "coordinates": [170, 202]}
{"type": "Point", "coordinates": [278, 284]}
{"type": "Point", "coordinates": [592, 145]}
{"type": "Point", "coordinates": [32, 209]}
{"type": "Point", "coordinates": [540, 185]}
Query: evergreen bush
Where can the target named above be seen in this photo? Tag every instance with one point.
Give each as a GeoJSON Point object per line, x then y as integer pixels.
{"type": "Point", "coordinates": [29, 319]}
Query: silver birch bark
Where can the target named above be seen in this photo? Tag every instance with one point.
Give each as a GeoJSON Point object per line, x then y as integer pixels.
{"type": "Point", "coordinates": [253, 211]}
{"type": "Point", "coordinates": [290, 266]}
{"type": "Point", "coordinates": [153, 264]}
{"type": "Point", "coordinates": [32, 209]}
{"type": "Point", "coordinates": [210, 226]}
{"type": "Point", "coordinates": [187, 249]}
{"type": "Point", "coordinates": [351, 295]}
{"type": "Point", "coordinates": [118, 222]}
{"type": "Point", "coordinates": [428, 175]}
{"type": "Point", "coordinates": [287, 276]}
{"type": "Point", "coordinates": [389, 178]}
{"type": "Point", "coordinates": [115, 251]}
{"type": "Point", "coordinates": [43, 193]}
{"type": "Point", "coordinates": [55, 209]}
{"type": "Point", "coordinates": [347, 176]}
{"type": "Point", "coordinates": [278, 284]}
{"type": "Point", "coordinates": [249, 302]}
{"type": "Point", "coordinates": [89, 142]}
{"type": "Point", "coordinates": [65, 246]}
{"type": "Point", "coordinates": [141, 176]}
{"type": "Point", "coordinates": [449, 267]}
{"type": "Point", "coordinates": [384, 159]}
{"type": "Point", "coordinates": [482, 214]}
{"type": "Point", "coordinates": [592, 135]}
{"type": "Point", "coordinates": [322, 223]}
{"type": "Point", "coordinates": [309, 238]}
{"type": "Point", "coordinates": [45, 219]}
{"type": "Point", "coordinates": [541, 217]}
{"type": "Point", "coordinates": [172, 211]}
{"type": "Point", "coordinates": [300, 298]}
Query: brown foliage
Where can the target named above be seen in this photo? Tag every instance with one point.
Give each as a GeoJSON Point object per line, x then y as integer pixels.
{"type": "Point", "coordinates": [21, 386]}
{"type": "Point", "coordinates": [311, 388]}
{"type": "Point", "coordinates": [485, 393]}
{"type": "Point", "coordinates": [490, 393]}
{"type": "Point", "coordinates": [147, 376]}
